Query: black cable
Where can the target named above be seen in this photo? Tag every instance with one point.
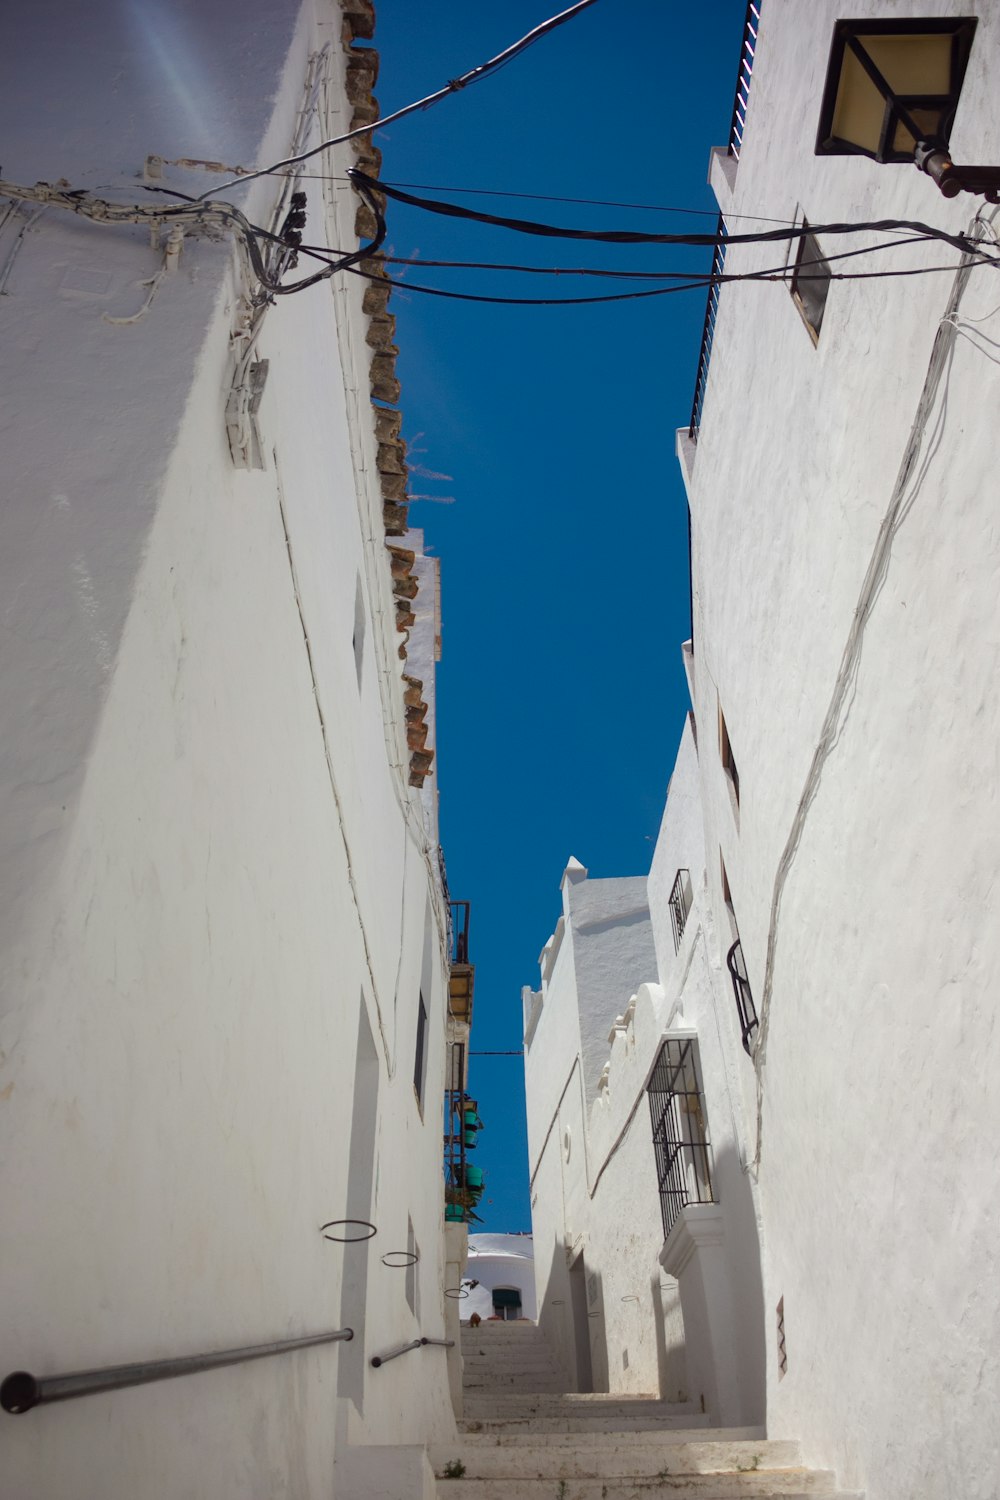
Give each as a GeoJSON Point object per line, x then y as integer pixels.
{"type": "Point", "coordinates": [661, 291]}
{"type": "Point", "coordinates": [653, 208]}
{"type": "Point", "coordinates": [486, 265]}
{"type": "Point", "coordinates": [637, 237]}
{"type": "Point", "coordinates": [473, 75]}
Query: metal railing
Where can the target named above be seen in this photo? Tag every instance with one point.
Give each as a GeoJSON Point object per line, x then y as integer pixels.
{"type": "Point", "coordinates": [378, 1360]}
{"type": "Point", "coordinates": [454, 1138]}
{"type": "Point", "coordinates": [748, 49]}
{"type": "Point", "coordinates": [20, 1391]}
{"type": "Point", "coordinates": [460, 911]}
{"type": "Point", "coordinates": [744, 998]}
{"type": "Point", "coordinates": [708, 330]}
{"type": "Point", "coordinates": [680, 904]}
{"type": "Point", "coordinates": [680, 1138]}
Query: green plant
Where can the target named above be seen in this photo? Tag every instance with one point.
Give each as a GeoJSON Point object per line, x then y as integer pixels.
{"type": "Point", "coordinates": [453, 1469]}
{"type": "Point", "coordinates": [751, 1467]}
{"type": "Point", "coordinates": [561, 1491]}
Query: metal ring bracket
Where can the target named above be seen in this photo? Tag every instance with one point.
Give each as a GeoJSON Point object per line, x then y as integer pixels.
{"type": "Point", "coordinates": [348, 1239]}
{"type": "Point", "coordinates": [399, 1260]}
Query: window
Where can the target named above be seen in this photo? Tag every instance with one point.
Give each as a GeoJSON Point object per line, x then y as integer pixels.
{"type": "Point", "coordinates": [727, 894]}
{"type": "Point", "coordinates": [728, 759]}
{"type": "Point", "coordinates": [412, 1284]}
{"type": "Point", "coordinates": [507, 1302]}
{"type": "Point", "coordinates": [810, 283]}
{"type": "Point", "coordinates": [359, 629]}
{"type": "Point", "coordinates": [680, 1135]}
{"type": "Point", "coordinates": [745, 1008]}
{"type": "Point", "coordinates": [680, 905]}
{"type": "Point", "coordinates": [420, 1060]}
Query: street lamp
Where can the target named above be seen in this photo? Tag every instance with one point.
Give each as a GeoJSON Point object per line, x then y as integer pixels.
{"type": "Point", "coordinates": [892, 89]}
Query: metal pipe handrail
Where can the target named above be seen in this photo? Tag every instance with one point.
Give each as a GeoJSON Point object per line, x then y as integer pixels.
{"type": "Point", "coordinates": [20, 1391]}
{"type": "Point", "coordinates": [377, 1360]}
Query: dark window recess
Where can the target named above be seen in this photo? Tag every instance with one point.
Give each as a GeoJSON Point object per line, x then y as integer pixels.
{"type": "Point", "coordinates": [680, 905]}
{"type": "Point", "coordinates": [358, 641]}
{"type": "Point", "coordinates": [728, 759]}
{"type": "Point", "coordinates": [680, 1137]}
{"type": "Point", "coordinates": [741, 989]}
{"type": "Point", "coordinates": [420, 1060]}
{"type": "Point", "coordinates": [507, 1302]}
{"type": "Point", "coordinates": [810, 284]}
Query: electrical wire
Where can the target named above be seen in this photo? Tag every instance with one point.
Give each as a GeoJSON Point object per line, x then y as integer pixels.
{"type": "Point", "coordinates": [452, 87]}
{"type": "Point", "coordinates": [476, 265]}
{"type": "Point", "coordinates": [655, 208]}
{"type": "Point", "coordinates": [204, 215]}
{"type": "Point", "coordinates": [959, 242]}
{"type": "Point", "coordinates": [652, 208]}
{"type": "Point", "coordinates": [697, 284]}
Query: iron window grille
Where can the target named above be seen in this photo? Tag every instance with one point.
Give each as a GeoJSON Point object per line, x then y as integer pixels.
{"type": "Point", "coordinates": [745, 1007]}
{"type": "Point", "coordinates": [680, 1136]}
{"type": "Point", "coordinates": [680, 905]}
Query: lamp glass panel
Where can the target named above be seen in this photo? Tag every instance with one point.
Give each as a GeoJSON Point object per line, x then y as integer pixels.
{"type": "Point", "coordinates": [912, 64]}
{"type": "Point", "coordinates": [929, 122]}
{"type": "Point", "coordinates": [859, 112]}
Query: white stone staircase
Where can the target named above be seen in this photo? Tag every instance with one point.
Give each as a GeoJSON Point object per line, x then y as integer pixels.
{"type": "Point", "coordinates": [521, 1438]}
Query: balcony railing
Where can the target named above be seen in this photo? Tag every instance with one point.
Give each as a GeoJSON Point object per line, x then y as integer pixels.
{"type": "Point", "coordinates": [748, 48]}
{"type": "Point", "coordinates": [680, 1137]}
{"type": "Point", "coordinates": [463, 1179]}
{"type": "Point", "coordinates": [745, 1007]}
{"type": "Point", "coordinates": [462, 976]}
{"type": "Point", "coordinates": [708, 329]}
{"type": "Point", "coordinates": [680, 905]}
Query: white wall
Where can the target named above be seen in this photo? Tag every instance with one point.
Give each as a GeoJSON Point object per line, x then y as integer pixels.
{"type": "Point", "coordinates": [499, 1260]}
{"type": "Point", "coordinates": [878, 1178]}
{"type": "Point", "coordinates": [212, 861]}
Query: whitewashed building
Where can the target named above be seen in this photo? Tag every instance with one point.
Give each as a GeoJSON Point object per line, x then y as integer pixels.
{"type": "Point", "coordinates": [500, 1279]}
{"type": "Point", "coordinates": [824, 883]}
{"type": "Point", "coordinates": [224, 926]}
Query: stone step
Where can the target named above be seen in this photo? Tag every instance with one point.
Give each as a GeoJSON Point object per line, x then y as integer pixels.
{"type": "Point", "coordinates": [505, 1332]}
{"type": "Point", "coordinates": [504, 1356]}
{"type": "Point", "coordinates": [638, 1456]}
{"type": "Point", "coordinates": [580, 1423]}
{"type": "Point", "coordinates": [593, 1441]}
{"type": "Point", "coordinates": [539, 1363]}
{"type": "Point", "coordinates": [779, 1484]}
{"type": "Point", "coordinates": [513, 1385]}
{"type": "Point", "coordinates": [589, 1403]}
{"type": "Point", "coordinates": [500, 1389]}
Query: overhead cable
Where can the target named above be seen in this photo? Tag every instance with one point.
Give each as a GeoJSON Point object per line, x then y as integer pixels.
{"type": "Point", "coordinates": [452, 87]}
{"type": "Point", "coordinates": [960, 242]}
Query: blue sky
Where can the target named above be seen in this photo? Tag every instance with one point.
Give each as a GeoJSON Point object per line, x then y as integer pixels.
{"type": "Point", "coordinates": [564, 554]}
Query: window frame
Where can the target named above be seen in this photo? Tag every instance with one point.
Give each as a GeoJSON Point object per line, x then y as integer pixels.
{"type": "Point", "coordinates": [820, 276]}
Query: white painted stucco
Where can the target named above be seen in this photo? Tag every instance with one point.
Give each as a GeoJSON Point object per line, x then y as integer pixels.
{"type": "Point", "coordinates": [878, 1182]}
{"type": "Point", "coordinates": [214, 870]}
{"type": "Point", "coordinates": [601, 1198]}
{"type": "Point", "coordinates": [865, 1196]}
{"type": "Point", "coordinates": [499, 1260]}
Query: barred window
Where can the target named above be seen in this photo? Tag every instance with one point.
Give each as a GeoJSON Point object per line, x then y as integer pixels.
{"type": "Point", "coordinates": [680, 1133]}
